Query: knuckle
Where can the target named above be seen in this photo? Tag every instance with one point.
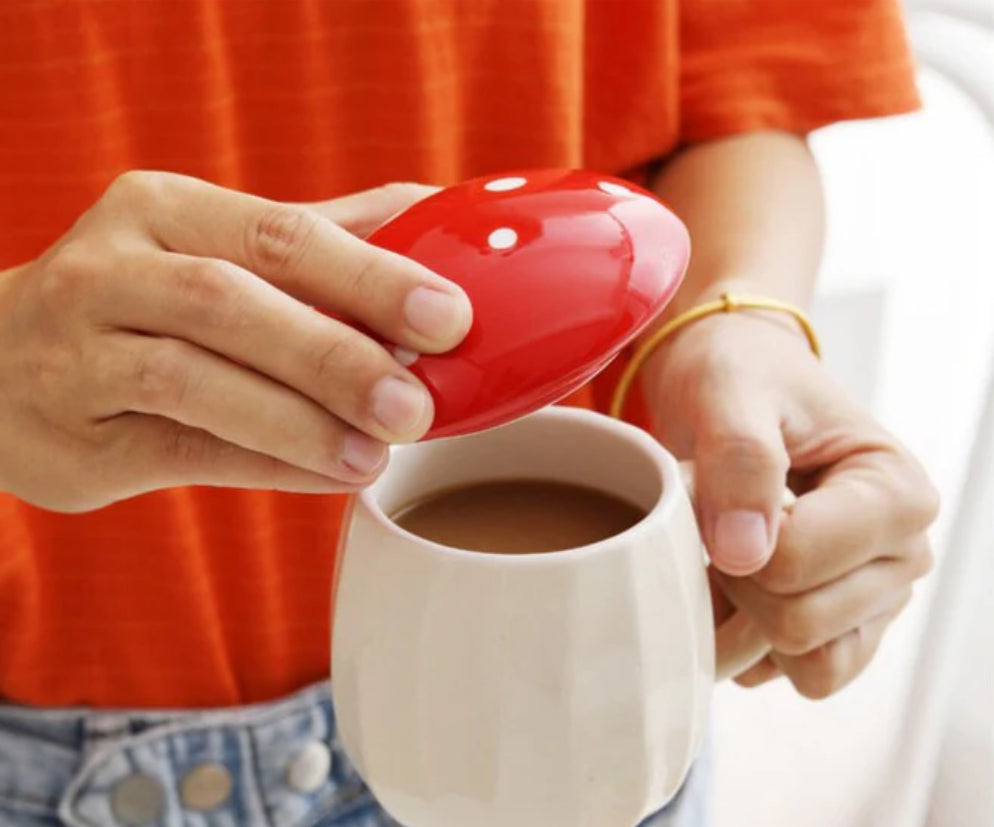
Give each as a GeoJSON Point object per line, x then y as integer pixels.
{"type": "Point", "coordinates": [331, 359]}
{"type": "Point", "coordinates": [67, 276]}
{"type": "Point", "coordinates": [796, 625]}
{"type": "Point", "coordinates": [821, 673]}
{"type": "Point", "coordinates": [278, 238]}
{"type": "Point", "coordinates": [748, 451]}
{"type": "Point", "coordinates": [55, 371]}
{"type": "Point", "coordinates": [921, 562]}
{"type": "Point", "coordinates": [344, 360]}
{"type": "Point", "coordinates": [405, 191]}
{"type": "Point", "coordinates": [361, 277]}
{"type": "Point", "coordinates": [916, 497]}
{"type": "Point", "coordinates": [185, 446]}
{"type": "Point", "coordinates": [137, 187]}
{"type": "Point", "coordinates": [786, 572]}
{"type": "Point", "coordinates": [161, 380]}
{"type": "Point", "coordinates": [340, 372]}
{"type": "Point", "coordinates": [926, 502]}
{"type": "Point", "coordinates": [205, 287]}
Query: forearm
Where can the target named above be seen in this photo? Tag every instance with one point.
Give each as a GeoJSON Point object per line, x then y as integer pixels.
{"type": "Point", "coordinates": [754, 208]}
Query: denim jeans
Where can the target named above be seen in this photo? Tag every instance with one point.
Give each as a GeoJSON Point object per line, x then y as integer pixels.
{"type": "Point", "coordinates": [278, 764]}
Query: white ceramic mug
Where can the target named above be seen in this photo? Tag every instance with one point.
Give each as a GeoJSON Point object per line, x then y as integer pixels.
{"type": "Point", "coordinates": [564, 689]}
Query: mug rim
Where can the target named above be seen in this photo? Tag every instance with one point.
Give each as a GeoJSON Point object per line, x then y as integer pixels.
{"type": "Point", "coordinates": [664, 461]}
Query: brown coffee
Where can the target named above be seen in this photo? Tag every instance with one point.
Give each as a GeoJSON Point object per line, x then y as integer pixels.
{"type": "Point", "coordinates": [518, 516]}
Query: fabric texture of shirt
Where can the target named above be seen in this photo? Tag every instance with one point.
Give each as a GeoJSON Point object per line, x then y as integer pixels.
{"type": "Point", "coordinates": [208, 597]}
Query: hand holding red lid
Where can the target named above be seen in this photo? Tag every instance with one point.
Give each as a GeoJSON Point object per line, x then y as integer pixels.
{"type": "Point", "coordinates": [169, 339]}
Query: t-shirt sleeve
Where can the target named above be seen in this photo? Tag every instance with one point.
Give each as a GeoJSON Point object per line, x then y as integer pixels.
{"type": "Point", "coordinates": [791, 65]}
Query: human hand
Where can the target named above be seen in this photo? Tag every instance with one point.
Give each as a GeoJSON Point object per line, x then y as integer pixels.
{"type": "Point", "coordinates": [168, 339]}
{"type": "Point", "coordinates": [743, 396]}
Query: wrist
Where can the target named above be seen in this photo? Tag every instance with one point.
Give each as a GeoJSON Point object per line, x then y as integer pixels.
{"type": "Point", "coordinates": [740, 289]}
{"type": "Point", "coordinates": [733, 325]}
{"type": "Point", "coordinates": [694, 292]}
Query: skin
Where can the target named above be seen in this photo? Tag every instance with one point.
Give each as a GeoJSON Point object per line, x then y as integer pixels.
{"type": "Point", "coordinates": [742, 395]}
{"type": "Point", "coordinates": [169, 339]}
{"type": "Point", "coordinates": [144, 350]}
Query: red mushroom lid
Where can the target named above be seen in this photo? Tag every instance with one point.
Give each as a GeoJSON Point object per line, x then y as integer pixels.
{"type": "Point", "coordinates": [563, 268]}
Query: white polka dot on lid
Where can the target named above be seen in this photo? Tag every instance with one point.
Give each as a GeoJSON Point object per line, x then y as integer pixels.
{"type": "Point", "coordinates": [404, 356]}
{"type": "Point", "coordinates": [503, 238]}
{"type": "Point", "coordinates": [504, 184]}
{"type": "Point", "coordinates": [613, 189]}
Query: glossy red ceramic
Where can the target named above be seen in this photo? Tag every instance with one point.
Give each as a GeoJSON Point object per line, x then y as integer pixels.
{"type": "Point", "coordinates": [563, 267]}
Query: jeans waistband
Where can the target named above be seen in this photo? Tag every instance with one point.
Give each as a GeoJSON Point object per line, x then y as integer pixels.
{"type": "Point", "coordinates": [278, 764]}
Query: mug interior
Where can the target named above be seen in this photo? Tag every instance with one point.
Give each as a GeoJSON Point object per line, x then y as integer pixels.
{"type": "Point", "coordinates": [556, 444]}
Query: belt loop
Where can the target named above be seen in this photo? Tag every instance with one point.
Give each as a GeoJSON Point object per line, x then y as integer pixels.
{"type": "Point", "coordinates": [102, 728]}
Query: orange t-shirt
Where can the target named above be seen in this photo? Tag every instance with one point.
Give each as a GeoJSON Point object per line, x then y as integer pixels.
{"type": "Point", "coordinates": [193, 597]}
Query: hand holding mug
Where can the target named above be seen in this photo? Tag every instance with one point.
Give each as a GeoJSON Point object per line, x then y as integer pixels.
{"type": "Point", "coordinates": [742, 395]}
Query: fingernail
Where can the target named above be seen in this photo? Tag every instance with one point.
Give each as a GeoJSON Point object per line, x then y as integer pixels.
{"type": "Point", "coordinates": [405, 356]}
{"type": "Point", "coordinates": [400, 406]}
{"type": "Point", "coordinates": [740, 542]}
{"type": "Point", "coordinates": [440, 317]}
{"type": "Point", "coordinates": [362, 453]}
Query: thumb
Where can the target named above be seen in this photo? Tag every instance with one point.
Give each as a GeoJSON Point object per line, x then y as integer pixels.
{"type": "Point", "coordinates": [362, 212]}
{"type": "Point", "coordinates": [741, 474]}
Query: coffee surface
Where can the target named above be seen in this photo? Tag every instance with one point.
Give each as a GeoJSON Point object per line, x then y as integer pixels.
{"type": "Point", "coordinates": [518, 516]}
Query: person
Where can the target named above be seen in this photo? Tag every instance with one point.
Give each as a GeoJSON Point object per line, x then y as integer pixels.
{"type": "Point", "coordinates": [178, 425]}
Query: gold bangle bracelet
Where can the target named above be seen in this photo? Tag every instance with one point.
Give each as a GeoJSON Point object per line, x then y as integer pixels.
{"type": "Point", "coordinates": [728, 303]}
